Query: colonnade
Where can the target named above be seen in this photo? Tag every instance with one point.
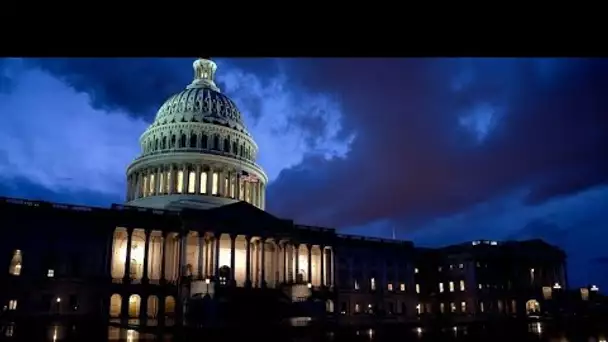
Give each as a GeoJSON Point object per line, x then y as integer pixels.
{"type": "Point", "coordinates": [140, 255]}
{"type": "Point", "coordinates": [195, 180]}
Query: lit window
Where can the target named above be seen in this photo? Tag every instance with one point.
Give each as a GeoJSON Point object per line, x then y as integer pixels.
{"type": "Point", "coordinates": [481, 307]}
{"type": "Point", "coordinates": [356, 285]}
{"type": "Point", "coordinates": [12, 304]}
{"type": "Point", "coordinates": [180, 181]}
{"type": "Point", "coordinates": [203, 182]}
{"type": "Point", "coordinates": [416, 270]}
{"type": "Point", "coordinates": [372, 284]}
{"type": "Point", "coordinates": [50, 273]}
{"type": "Point", "coordinates": [191, 182]}
{"type": "Point", "coordinates": [480, 286]}
{"type": "Point", "coordinates": [151, 185]}
{"type": "Point", "coordinates": [168, 181]}
{"type": "Point", "coordinates": [241, 190]}
{"type": "Point", "coordinates": [451, 286]}
{"type": "Point", "coordinates": [214, 183]}
{"type": "Point", "coordinates": [232, 187]}
{"type": "Point", "coordinates": [418, 309]}
{"type": "Point", "coordinates": [144, 186]}
{"type": "Point", "coordinates": [390, 287]}
{"type": "Point", "coordinates": [357, 308]}
{"type": "Point", "coordinates": [532, 275]}
{"type": "Point", "coordinates": [442, 307]}
{"type": "Point", "coordinates": [15, 266]}
{"type": "Point", "coordinates": [452, 307]}
{"type": "Point", "coordinates": [461, 266]}
{"type": "Point", "coordinates": [499, 306]}
{"type": "Point", "coordinates": [402, 287]}
{"type": "Point", "coordinates": [463, 306]}
{"type": "Point", "coordinates": [547, 292]}
{"type": "Point", "coordinates": [439, 268]}
{"type": "Point", "coordinates": [161, 183]}
{"type": "Point", "coordinates": [417, 288]}
{"type": "Point", "coordinates": [451, 267]}
{"type": "Point", "coordinates": [584, 294]}
{"type": "Point", "coordinates": [440, 287]}
{"type": "Point", "coordinates": [462, 285]}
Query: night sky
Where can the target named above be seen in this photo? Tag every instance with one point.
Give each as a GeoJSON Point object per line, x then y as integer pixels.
{"type": "Point", "coordinates": [440, 150]}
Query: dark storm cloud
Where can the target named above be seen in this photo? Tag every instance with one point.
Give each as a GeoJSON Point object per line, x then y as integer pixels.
{"type": "Point", "coordinates": [413, 155]}
{"type": "Point", "coordinates": [136, 85]}
{"type": "Point", "coordinates": [434, 136]}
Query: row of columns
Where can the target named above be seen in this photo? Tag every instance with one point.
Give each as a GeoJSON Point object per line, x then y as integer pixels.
{"type": "Point", "coordinates": [209, 261]}
{"type": "Point", "coordinates": [168, 180]}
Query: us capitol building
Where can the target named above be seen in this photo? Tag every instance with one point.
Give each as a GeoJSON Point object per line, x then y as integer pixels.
{"type": "Point", "coordinates": [193, 242]}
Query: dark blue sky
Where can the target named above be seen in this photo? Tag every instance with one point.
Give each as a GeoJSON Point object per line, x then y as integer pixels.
{"type": "Point", "coordinates": [441, 150]}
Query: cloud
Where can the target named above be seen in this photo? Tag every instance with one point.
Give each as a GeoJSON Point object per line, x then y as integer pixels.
{"type": "Point", "coordinates": [73, 125]}
{"type": "Point", "coordinates": [418, 153]}
{"type": "Point", "coordinates": [52, 137]}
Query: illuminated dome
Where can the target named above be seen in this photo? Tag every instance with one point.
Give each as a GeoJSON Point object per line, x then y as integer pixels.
{"type": "Point", "coordinates": [197, 153]}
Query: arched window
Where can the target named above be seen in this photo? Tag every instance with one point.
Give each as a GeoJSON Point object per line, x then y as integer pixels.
{"type": "Point", "coordinates": [216, 143]}
{"type": "Point", "coordinates": [172, 145]}
{"type": "Point", "coordinates": [193, 141]}
{"type": "Point", "coordinates": [164, 143]}
{"type": "Point", "coordinates": [204, 140]}
{"type": "Point", "coordinates": [156, 144]}
{"type": "Point", "coordinates": [226, 145]}
{"type": "Point", "coordinates": [235, 147]}
{"type": "Point", "coordinates": [182, 141]}
{"type": "Point", "coordinates": [15, 266]}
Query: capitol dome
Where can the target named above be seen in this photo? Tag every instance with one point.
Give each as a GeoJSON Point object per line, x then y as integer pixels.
{"type": "Point", "coordinates": [197, 153]}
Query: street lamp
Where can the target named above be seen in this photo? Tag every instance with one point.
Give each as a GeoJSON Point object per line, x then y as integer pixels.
{"type": "Point", "coordinates": [594, 288]}
{"type": "Point", "coordinates": [207, 281]}
{"type": "Point", "coordinates": [557, 286]}
{"type": "Point", "coordinates": [309, 285]}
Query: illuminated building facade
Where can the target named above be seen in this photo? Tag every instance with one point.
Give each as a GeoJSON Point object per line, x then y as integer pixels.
{"type": "Point", "coordinates": [194, 228]}
{"type": "Point", "coordinates": [489, 278]}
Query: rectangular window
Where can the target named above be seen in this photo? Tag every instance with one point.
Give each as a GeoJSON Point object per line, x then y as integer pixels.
{"type": "Point", "coordinates": [372, 284]}
{"type": "Point", "coordinates": [402, 287]}
{"type": "Point", "coordinates": [214, 183]}
{"type": "Point", "coordinates": [168, 187]}
{"type": "Point", "coordinates": [439, 268]}
{"type": "Point", "coordinates": [15, 266]}
{"type": "Point", "coordinates": [203, 189]}
{"type": "Point", "coordinates": [481, 307]}
{"type": "Point", "coordinates": [232, 186]}
{"type": "Point", "coordinates": [390, 287]}
{"type": "Point", "coordinates": [452, 307]}
{"type": "Point", "coordinates": [356, 285]}
{"type": "Point", "coordinates": [144, 186]}
{"type": "Point", "coordinates": [180, 181]}
{"type": "Point", "coordinates": [191, 182]}
{"type": "Point", "coordinates": [161, 183]}
{"type": "Point", "coordinates": [463, 306]}
{"type": "Point", "coordinates": [12, 304]}
{"type": "Point", "coordinates": [151, 185]}
{"type": "Point", "coordinates": [442, 307]}
{"type": "Point", "coordinates": [480, 286]}
{"type": "Point", "coordinates": [419, 309]}
{"type": "Point", "coordinates": [462, 285]}
{"type": "Point", "coordinates": [440, 287]}
{"type": "Point", "coordinates": [499, 305]}
{"type": "Point", "coordinates": [417, 288]}
{"type": "Point", "coordinates": [50, 273]}
{"type": "Point", "coordinates": [241, 190]}
{"type": "Point", "coordinates": [451, 286]}
{"type": "Point", "coordinates": [416, 270]}
{"type": "Point", "coordinates": [357, 308]}
{"type": "Point", "coordinates": [461, 266]}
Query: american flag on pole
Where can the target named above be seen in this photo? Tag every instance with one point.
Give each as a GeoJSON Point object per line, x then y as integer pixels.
{"type": "Point", "coordinates": [245, 176]}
